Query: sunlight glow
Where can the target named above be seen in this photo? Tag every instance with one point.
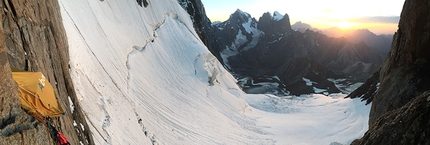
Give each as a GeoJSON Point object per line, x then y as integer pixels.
{"type": "Point", "coordinates": [348, 14]}
{"type": "Point", "coordinates": [344, 24]}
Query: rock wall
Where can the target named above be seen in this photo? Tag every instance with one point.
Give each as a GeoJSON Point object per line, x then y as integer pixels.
{"type": "Point", "coordinates": [408, 125]}
{"type": "Point", "coordinates": [32, 38]}
{"type": "Point", "coordinates": [405, 72]}
{"type": "Point", "coordinates": [401, 106]}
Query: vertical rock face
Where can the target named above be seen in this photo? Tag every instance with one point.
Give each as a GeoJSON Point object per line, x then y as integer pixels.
{"type": "Point", "coordinates": [401, 106]}
{"type": "Point", "coordinates": [16, 126]}
{"type": "Point", "coordinates": [405, 72]}
{"type": "Point", "coordinates": [32, 38]}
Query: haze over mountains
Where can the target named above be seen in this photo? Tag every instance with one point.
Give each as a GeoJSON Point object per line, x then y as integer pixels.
{"type": "Point", "coordinates": [334, 31]}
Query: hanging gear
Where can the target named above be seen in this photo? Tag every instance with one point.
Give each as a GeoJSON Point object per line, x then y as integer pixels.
{"type": "Point", "coordinates": [53, 132]}
{"type": "Point", "coordinates": [62, 140]}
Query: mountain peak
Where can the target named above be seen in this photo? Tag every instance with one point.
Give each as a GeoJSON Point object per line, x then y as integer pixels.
{"type": "Point", "coordinates": [239, 17]}
{"type": "Point", "coordinates": [302, 27]}
{"type": "Point", "coordinates": [277, 16]}
{"type": "Point", "coordinates": [363, 31]}
{"type": "Point", "coordinates": [241, 13]}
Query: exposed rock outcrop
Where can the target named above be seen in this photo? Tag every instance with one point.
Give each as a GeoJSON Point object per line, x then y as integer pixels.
{"type": "Point", "coordinates": [202, 24]}
{"type": "Point", "coordinates": [366, 91]}
{"type": "Point", "coordinates": [143, 3]}
{"type": "Point", "coordinates": [406, 125]}
{"type": "Point", "coordinates": [32, 38]}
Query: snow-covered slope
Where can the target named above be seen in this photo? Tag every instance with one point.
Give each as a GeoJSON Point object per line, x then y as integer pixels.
{"type": "Point", "coordinates": [129, 62]}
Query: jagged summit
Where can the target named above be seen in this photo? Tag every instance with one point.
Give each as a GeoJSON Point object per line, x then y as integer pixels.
{"type": "Point", "coordinates": [236, 20]}
{"type": "Point", "coordinates": [277, 16]}
{"type": "Point", "coordinates": [239, 14]}
{"type": "Point", "coordinates": [274, 24]}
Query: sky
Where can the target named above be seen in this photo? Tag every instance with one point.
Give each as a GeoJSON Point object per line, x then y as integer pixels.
{"type": "Point", "coordinates": [379, 16]}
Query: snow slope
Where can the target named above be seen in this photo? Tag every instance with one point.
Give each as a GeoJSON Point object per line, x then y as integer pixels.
{"type": "Point", "coordinates": [129, 62]}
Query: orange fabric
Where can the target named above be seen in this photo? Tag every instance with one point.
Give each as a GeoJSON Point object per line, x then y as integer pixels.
{"type": "Point", "coordinates": [37, 95]}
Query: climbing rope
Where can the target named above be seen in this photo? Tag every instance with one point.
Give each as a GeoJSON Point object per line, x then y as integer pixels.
{"type": "Point", "coordinates": [48, 130]}
{"type": "Point", "coordinates": [22, 131]}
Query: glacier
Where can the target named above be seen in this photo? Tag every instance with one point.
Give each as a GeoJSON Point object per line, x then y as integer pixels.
{"type": "Point", "coordinates": [129, 62]}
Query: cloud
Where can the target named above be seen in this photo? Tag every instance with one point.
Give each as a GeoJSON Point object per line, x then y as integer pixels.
{"type": "Point", "coordinates": [376, 19]}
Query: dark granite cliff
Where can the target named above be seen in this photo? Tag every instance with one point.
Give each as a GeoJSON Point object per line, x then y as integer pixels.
{"type": "Point", "coordinates": [405, 72]}
{"type": "Point", "coordinates": [400, 108]}
{"type": "Point", "coordinates": [32, 38]}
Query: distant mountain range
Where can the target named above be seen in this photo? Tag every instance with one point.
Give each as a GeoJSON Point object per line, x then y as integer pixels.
{"type": "Point", "coordinates": [333, 31]}
{"type": "Point", "coordinates": [269, 55]}
{"type": "Point", "coordinates": [382, 41]}
{"type": "Point", "coordinates": [302, 27]}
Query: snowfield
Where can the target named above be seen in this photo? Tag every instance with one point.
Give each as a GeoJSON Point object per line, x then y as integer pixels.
{"type": "Point", "coordinates": [129, 62]}
{"type": "Point", "coordinates": [310, 119]}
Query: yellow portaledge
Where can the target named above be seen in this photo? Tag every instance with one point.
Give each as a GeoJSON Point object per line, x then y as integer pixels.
{"type": "Point", "coordinates": [37, 95]}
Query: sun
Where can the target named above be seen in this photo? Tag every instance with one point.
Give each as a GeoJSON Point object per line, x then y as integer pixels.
{"type": "Point", "coordinates": [344, 24]}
